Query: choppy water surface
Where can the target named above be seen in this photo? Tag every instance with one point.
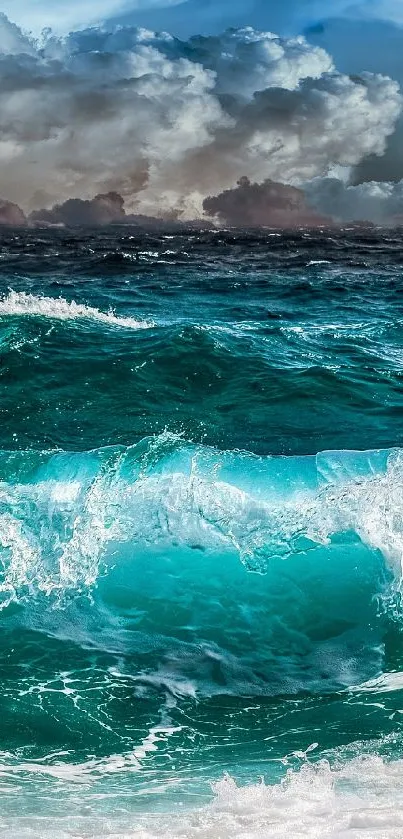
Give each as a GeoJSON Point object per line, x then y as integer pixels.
{"type": "Point", "coordinates": [201, 534]}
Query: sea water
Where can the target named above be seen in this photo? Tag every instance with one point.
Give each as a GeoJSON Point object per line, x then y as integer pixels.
{"type": "Point", "coordinates": [201, 534]}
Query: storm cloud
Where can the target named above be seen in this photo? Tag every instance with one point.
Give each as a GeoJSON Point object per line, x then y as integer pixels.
{"type": "Point", "coordinates": [269, 204]}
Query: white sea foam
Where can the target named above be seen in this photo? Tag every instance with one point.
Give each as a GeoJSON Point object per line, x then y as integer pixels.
{"type": "Point", "coordinates": [18, 303]}
{"type": "Point", "coordinates": [363, 799]}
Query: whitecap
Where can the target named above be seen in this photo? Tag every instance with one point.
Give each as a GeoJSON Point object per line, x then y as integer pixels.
{"type": "Point", "coordinates": [57, 308]}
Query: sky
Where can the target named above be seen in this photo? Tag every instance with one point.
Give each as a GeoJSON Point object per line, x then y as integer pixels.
{"type": "Point", "coordinates": [97, 103]}
{"type": "Point", "coordinates": [188, 17]}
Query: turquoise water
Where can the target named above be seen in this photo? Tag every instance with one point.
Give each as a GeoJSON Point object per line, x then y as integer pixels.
{"type": "Point", "coordinates": [201, 535]}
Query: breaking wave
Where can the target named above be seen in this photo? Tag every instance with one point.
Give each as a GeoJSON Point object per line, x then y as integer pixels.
{"type": "Point", "coordinates": [170, 492]}
{"type": "Point", "coordinates": [364, 798]}
{"type": "Point", "coordinates": [275, 574]}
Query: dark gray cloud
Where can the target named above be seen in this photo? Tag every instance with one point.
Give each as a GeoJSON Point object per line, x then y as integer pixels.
{"type": "Point", "coordinates": [323, 202]}
{"type": "Point", "coordinates": [11, 214]}
{"type": "Point", "coordinates": [101, 210]}
{"type": "Point", "coordinates": [268, 204]}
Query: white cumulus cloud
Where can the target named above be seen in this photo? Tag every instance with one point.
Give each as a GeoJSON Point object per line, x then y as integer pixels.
{"type": "Point", "coordinates": [167, 122]}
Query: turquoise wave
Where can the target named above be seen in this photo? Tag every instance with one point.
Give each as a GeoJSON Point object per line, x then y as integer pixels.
{"type": "Point", "coordinates": [207, 572]}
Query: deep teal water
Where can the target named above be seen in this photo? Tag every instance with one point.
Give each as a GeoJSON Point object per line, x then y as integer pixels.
{"type": "Point", "coordinates": [201, 534]}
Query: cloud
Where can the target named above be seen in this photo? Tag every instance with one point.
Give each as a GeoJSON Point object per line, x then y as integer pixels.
{"type": "Point", "coordinates": [62, 17]}
{"type": "Point", "coordinates": [11, 215]}
{"type": "Point", "coordinates": [12, 39]}
{"type": "Point", "coordinates": [185, 17]}
{"type": "Point", "coordinates": [263, 205]}
{"type": "Point", "coordinates": [101, 210]}
{"type": "Point", "coordinates": [380, 203]}
{"type": "Point", "coordinates": [378, 46]}
{"type": "Point", "coordinates": [322, 202]}
{"type": "Point", "coordinates": [166, 122]}
{"type": "Point", "coordinates": [355, 44]}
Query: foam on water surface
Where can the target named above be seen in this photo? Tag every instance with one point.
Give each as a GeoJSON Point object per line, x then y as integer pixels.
{"type": "Point", "coordinates": [364, 798]}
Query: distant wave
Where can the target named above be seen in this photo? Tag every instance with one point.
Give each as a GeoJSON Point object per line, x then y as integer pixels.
{"type": "Point", "coordinates": [57, 308]}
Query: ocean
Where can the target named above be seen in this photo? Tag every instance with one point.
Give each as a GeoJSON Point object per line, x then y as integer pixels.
{"type": "Point", "coordinates": [201, 534]}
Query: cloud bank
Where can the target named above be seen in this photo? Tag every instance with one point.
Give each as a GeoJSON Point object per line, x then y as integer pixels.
{"type": "Point", "coordinates": [12, 215]}
{"type": "Point", "coordinates": [101, 210]}
{"type": "Point", "coordinates": [165, 122]}
{"type": "Point", "coordinates": [323, 202]}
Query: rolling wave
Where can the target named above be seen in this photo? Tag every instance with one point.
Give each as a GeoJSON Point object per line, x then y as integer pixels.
{"type": "Point", "coordinates": [232, 374]}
